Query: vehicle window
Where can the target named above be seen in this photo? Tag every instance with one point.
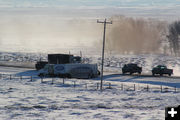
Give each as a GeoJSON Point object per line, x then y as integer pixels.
{"type": "Point", "coordinates": [45, 67]}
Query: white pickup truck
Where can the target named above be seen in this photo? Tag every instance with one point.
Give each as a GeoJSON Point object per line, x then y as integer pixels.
{"type": "Point", "coordinates": [74, 70]}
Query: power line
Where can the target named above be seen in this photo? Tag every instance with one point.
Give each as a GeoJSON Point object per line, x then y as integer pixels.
{"type": "Point", "coordinates": [104, 35]}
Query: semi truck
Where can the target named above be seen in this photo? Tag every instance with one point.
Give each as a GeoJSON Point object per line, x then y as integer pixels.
{"type": "Point", "coordinates": [72, 70]}
{"type": "Point", "coordinates": [58, 59]}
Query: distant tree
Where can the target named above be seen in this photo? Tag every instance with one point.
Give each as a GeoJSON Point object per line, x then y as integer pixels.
{"type": "Point", "coordinates": [173, 37]}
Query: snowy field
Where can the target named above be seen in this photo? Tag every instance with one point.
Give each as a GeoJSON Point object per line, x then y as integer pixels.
{"type": "Point", "coordinates": [32, 100]}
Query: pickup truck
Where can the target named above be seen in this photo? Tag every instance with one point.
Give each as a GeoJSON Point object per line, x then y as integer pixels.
{"type": "Point", "coordinates": [131, 68]}
{"type": "Point", "coordinates": [162, 69]}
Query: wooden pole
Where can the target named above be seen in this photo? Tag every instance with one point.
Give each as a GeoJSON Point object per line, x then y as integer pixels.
{"type": "Point", "coordinates": [175, 89]}
{"type": "Point", "coordinates": [10, 77]}
{"type": "Point", "coordinates": [52, 81]}
{"type": "Point", "coordinates": [63, 80]}
{"type": "Point", "coordinates": [86, 85]}
{"type": "Point", "coordinates": [41, 79]}
{"type": "Point", "coordinates": [102, 59]}
{"type": "Point", "coordinates": [97, 86]}
{"type": "Point", "coordinates": [109, 85]}
{"type": "Point", "coordinates": [122, 86]}
{"type": "Point", "coordinates": [74, 84]}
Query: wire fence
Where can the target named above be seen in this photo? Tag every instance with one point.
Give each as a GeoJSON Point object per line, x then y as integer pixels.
{"type": "Point", "coordinates": [92, 84]}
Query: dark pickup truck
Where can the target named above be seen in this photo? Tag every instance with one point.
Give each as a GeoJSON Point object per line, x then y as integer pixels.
{"type": "Point", "coordinates": [131, 68]}
{"type": "Point", "coordinates": [161, 69]}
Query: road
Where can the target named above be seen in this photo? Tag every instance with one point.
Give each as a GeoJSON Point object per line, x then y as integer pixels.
{"type": "Point", "coordinates": [146, 79]}
{"type": "Point", "coordinates": [14, 70]}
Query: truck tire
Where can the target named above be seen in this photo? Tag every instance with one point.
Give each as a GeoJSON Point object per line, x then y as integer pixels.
{"type": "Point", "coordinates": [139, 72]}
{"type": "Point", "coordinates": [169, 74]}
{"type": "Point", "coordinates": [90, 75]}
{"type": "Point", "coordinates": [161, 74]}
{"type": "Point", "coordinates": [41, 75]}
{"type": "Point", "coordinates": [68, 75]}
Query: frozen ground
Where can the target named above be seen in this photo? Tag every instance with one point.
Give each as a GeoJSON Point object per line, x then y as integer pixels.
{"type": "Point", "coordinates": [32, 100]}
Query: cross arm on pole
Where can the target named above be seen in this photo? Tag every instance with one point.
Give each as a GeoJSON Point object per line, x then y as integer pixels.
{"type": "Point", "coordinates": [104, 22]}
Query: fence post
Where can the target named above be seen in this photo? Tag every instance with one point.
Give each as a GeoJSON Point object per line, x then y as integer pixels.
{"type": "Point", "coordinates": [31, 78]}
{"type": "Point", "coordinates": [134, 87]}
{"type": "Point", "coordinates": [10, 77]}
{"type": "Point", "coordinates": [122, 86]}
{"type": "Point", "coordinates": [41, 79]}
{"type": "Point", "coordinates": [63, 80]}
{"type": "Point", "coordinates": [74, 84]}
{"type": "Point", "coordinates": [97, 86]}
{"type": "Point", "coordinates": [147, 87]}
{"type": "Point", "coordinates": [86, 85]}
{"type": "Point", "coordinates": [109, 85]}
{"type": "Point", "coordinates": [52, 81]}
{"type": "Point", "coordinates": [175, 88]}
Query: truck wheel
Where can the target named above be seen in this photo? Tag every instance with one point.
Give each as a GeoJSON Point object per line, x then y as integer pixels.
{"type": "Point", "coordinates": [139, 72]}
{"type": "Point", "coordinates": [169, 74]}
{"type": "Point", "coordinates": [90, 75]}
{"type": "Point", "coordinates": [153, 74]}
{"type": "Point", "coordinates": [68, 76]}
{"type": "Point", "coordinates": [161, 74]}
{"type": "Point", "coordinates": [131, 73]}
{"type": "Point", "coordinates": [41, 75]}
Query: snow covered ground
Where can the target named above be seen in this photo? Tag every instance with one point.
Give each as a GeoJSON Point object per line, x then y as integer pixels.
{"type": "Point", "coordinates": [26, 99]}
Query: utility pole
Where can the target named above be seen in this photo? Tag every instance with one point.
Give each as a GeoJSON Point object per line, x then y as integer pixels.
{"type": "Point", "coordinates": [102, 62]}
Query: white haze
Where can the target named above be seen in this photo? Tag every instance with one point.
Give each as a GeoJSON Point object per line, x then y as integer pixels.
{"type": "Point", "coordinates": [42, 32]}
{"type": "Point", "coordinates": [46, 29]}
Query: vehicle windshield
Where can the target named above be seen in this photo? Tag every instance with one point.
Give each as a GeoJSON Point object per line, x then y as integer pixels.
{"type": "Point", "coordinates": [161, 66]}
{"type": "Point", "coordinates": [132, 65]}
{"type": "Point", "coordinates": [46, 67]}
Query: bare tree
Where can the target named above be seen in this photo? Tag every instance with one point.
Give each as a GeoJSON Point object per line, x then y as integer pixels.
{"type": "Point", "coordinates": [173, 37]}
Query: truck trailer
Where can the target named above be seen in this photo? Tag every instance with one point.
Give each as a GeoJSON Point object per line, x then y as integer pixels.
{"type": "Point", "coordinates": [72, 70]}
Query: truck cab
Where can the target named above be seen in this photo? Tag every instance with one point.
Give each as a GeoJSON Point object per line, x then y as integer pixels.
{"type": "Point", "coordinates": [161, 69]}
{"type": "Point", "coordinates": [48, 70]}
{"type": "Point", "coordinates": [131, 68]}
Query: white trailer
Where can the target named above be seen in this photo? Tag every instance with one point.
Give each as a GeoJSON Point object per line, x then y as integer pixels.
{"type": "Point", "coordinates": [74, 70]}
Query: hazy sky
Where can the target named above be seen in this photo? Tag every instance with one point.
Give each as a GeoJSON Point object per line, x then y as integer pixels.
{"type": "Point", "coordinates": [93, 3]}
{"type": "Point", "coordinates": [43, 25]}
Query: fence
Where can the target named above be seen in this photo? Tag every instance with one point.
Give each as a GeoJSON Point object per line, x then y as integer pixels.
{"type": "Point", "coordinates": [94, 84]}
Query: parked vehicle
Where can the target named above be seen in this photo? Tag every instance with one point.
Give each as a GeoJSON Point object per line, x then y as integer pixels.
{"type": "Point", "coordinates": [74, 70]}
{"type": "Point", "coordinates": [131, 68]}
{"type": "Point", "coordinates": [162, 69]}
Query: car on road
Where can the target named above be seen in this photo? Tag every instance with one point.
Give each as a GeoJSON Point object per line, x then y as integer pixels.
{"type": "Point", "coordinates": [162, 69]}
{"type": "Point", "coordinates": [131, 68]}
